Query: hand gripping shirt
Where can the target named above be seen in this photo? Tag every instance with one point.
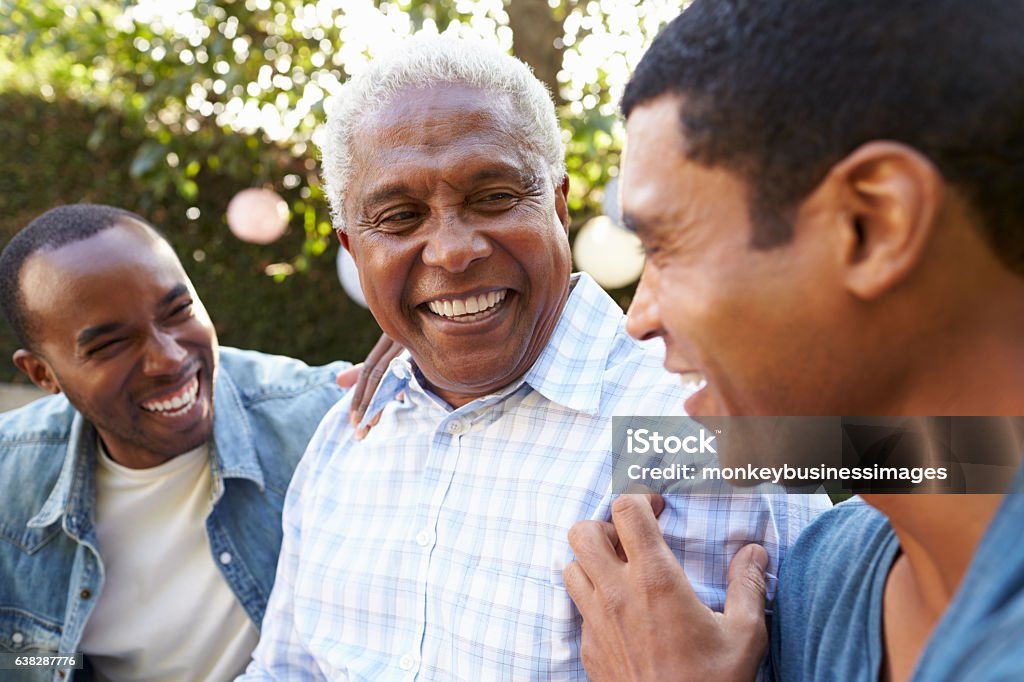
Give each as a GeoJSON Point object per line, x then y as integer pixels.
{"type": "Point", "coordinates": [434, 548]}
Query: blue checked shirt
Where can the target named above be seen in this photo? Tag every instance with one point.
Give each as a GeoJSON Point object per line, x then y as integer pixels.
{"type": "Point", "coordinates": [434, 548]}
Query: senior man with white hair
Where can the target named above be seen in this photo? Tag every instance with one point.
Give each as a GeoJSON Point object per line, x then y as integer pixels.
{"type": "Point", "coordinates": [434, 548]}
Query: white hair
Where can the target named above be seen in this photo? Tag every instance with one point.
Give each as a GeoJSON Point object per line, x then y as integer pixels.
{"type": "Point", "coordinates": [426, 60]}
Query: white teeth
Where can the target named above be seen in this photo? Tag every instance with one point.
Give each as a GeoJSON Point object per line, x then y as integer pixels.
{"type": "Point", "coordinates": [177, 405]}
{"type": "Point", "coordinates": [467, 308]}
{"type": "Point", "coordinates": [693, 381]}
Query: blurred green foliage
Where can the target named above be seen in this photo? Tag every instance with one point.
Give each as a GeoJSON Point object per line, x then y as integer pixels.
{"type": "Point", "coordinates": [47, 160]}
{"type": "Point", "coordinates": [168, 108]}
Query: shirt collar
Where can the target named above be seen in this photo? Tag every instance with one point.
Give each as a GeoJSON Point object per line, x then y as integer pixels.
{"type": "Point", "coordinates": [234, 451]}
{"type": "Point", "coordinates": [570, 369]}
{"type": "Point", "coordinates": [75, 483]}
{"type": "Point", "coordinates": [234, 456]}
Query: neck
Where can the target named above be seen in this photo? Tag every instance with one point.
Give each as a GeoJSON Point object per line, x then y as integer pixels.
{"type": "Point", "coordinates": [964, 355]}
{"type": "Point", "coordinates": [938, 535]}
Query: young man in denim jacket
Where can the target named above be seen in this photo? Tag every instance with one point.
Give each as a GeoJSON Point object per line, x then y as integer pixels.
{"type": "Point", "coordinates": [141, 515]}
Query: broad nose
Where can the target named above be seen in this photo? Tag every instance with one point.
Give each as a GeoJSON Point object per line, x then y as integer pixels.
{"type": "Point", "coordinates": [454, 245]}
{"type": "Point", "coordinates": [164, 354]}
{"type": "Point", "coordinates": [643, 319]}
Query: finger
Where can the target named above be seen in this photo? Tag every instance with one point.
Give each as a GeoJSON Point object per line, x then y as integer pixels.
{"type": "Point", "coordinates": [745, 596]}
{"type": "Point", "coordinates": [347, 378]}
{"type": "Point", "coordinates": [372, 371]}
{"type": "Point", "coordinates": [656, 501]}
{"type": "Point", "coordinates": [594, 543]}
{"type": "Point", "coordinates": [577, 584]}
{"type": "Point", "coordinates": [369, 380]}
{"type": "Point", "coordinates": [363, 430]}
{"type": "Point", "coordinates": [637, 527]}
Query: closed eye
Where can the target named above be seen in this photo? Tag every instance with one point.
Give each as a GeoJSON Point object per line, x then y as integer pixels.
{"type": "Point", "coordinates": [108, 344]}
{"type": "Point", "coordinates": [401, 216]}
{"type": "Point", "coordinates": [496, 201]}
{"type": "Point", "coordinates": [182, 310]}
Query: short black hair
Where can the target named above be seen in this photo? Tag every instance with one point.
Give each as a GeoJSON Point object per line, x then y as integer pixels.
{"type": "Point", "coordinates": [778, 91]}
{"type": "Point", "coordinates": [55, 228]}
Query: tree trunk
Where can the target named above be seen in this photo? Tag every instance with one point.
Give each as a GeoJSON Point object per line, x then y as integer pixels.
{"type": "Point", "coordinates": [534, 34]}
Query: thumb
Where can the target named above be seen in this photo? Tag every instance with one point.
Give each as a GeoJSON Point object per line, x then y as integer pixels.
{"type": "Point", "coordinates": [745, 597]}
{"type": "Point", "coordinates": [347, 378]}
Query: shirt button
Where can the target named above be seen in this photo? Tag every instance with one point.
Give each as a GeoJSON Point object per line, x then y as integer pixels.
{"type": "Point", "coordinates": [424, 538]}
{"type": "Point", "coordinates": [225, 558]}
{"type": "Point", "coordinates": [17, 638]}
{"type": "Point", "coordinates": [85, 594]}
{"type": "Point", "coordinates": [456, 427]}
{"type": "Point", "coordinates": [407, 662]}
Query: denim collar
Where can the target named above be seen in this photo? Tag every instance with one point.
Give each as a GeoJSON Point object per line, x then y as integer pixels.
{"type": "Point", "coordinates": [233, 455]}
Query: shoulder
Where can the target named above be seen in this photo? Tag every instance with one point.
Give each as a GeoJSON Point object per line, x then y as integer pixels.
{"type": "Point", "coordinates": [260, 376]}
{"type": "Point", "coordinates": [828, 603]}
{"type": "Point", "coordinates": [834, 552]}
{"type": "Point", "coordinates": [843, 532]}
{"type": "Point", "coordinates": [271, 404]}
{"type": "Point", "coordinates": [45, 420]}
{"type": "Point", "coordinates": [34, 438]}
{"type": "Point", "coordinates": [33, 445]}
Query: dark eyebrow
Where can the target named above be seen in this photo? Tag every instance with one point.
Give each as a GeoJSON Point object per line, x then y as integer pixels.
{"type": "Point", "coordinates": [176, 291]}
{"type": "Point", "coordinates": [89, 334]}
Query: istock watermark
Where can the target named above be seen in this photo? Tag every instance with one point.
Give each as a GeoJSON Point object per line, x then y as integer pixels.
{"type": "Point", "coordinates": [797, 454]}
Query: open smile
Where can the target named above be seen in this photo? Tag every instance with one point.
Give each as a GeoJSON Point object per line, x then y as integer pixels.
{"type": "Point", "coordinates": [469, 308]}
{"type": "Point", "coordinates": [693, 380]}
{"type": "Point", "coordinates": [175, 403]}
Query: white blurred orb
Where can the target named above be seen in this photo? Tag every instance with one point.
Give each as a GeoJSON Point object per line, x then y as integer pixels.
{"type": "Point", "coordinates": [348, 275]}
{"type": "Point", "coordinates": [258, 216]}
{"type": "Point", "coordinates": [610, 254]}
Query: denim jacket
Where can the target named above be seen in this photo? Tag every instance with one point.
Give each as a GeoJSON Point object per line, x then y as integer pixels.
{"type": "Point", "coordinates": [265, 411]}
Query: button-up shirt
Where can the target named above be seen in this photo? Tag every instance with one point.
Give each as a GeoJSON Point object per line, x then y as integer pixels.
{"type": "Point", "coordinates": [434, 548]}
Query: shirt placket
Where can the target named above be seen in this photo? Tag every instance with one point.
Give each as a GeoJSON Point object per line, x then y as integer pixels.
{"type": "Point", "coordinates": [439, 471]}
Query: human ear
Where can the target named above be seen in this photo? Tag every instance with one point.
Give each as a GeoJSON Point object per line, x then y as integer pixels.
{"type": "Point", "coordinates": [892, 195]}
{"type": "Point", "coordinates": [562, 202]}
{"type": "Point", "coordinates": [345, 243]}
{"type": "Point", "coordinates": [36, 369]}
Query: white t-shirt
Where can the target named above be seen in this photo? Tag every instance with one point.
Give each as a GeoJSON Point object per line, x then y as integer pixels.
{"type": "Point", "coordinates": [165, 611]}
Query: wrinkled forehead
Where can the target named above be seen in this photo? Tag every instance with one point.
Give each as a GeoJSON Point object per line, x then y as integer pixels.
{"type": "Point", "coordinates": [430, 105]}
{"type": "Point", "coordinates": [461, 133]}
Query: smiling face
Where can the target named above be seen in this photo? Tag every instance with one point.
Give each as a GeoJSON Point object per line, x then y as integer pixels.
{"type": "Point", "coordinates": [119, 329]}
{"type": "Point", "coordinates": [765, 332]}
{"type": "Point", "coordinates": [459, 237]}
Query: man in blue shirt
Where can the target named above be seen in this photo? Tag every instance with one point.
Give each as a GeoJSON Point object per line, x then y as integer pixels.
{"type": "Point", "coordinates": [141, 508]}
{"type": "Point", "coordinates": [830, 194]}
